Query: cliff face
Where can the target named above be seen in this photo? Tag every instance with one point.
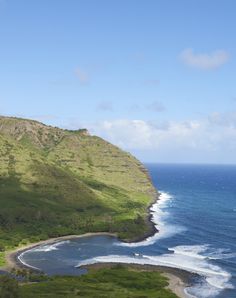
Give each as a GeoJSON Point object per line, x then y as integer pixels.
{"type": "Point", "coordinates": [69, 181]}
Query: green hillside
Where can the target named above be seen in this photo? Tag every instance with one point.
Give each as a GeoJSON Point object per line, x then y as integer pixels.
{"type": "Point", "coordinates": [55, 182]}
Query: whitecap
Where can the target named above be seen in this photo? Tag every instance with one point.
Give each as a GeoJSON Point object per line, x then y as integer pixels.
{"type": "Point", "coordinates": [159, 216]}
{"type": "Point", "coordinates": [190, 250]}
{"type": "Point", "coordinates": [203, 252]}
{"type": "Point", "coordinates": [48, 247]}
{"type": "Point", "coordinates": [221, 253]}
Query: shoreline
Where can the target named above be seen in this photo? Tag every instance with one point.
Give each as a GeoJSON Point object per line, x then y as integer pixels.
{"type": "Point", "coordinates": [149, 222]}
{"type": "Point", "coordinates": [152, 226]}
{"type": "Point", "coordinates": [11, 256]}
{"type": "Point", "coordinates": [178, 279]}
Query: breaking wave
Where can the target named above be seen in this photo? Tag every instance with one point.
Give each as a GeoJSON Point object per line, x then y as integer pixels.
{"type": "Point", "coordinates": [21, 259]}
{"type": "Point", "coordinates": [159, 218]}
{"type": "Point", "coordinates": [192, 258]}
{"type": "Point", "coordinates": [49, 247]}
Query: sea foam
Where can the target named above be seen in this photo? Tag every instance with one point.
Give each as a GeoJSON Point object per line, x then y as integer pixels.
{"type": "Point", "coordinates": [48, 247]}
{"type": "Point", "coordinates": [21, 259]}
{"type": "Point", "coordinates": [159, 217]}
{"type": "Point", "coordinates": [188, 258]}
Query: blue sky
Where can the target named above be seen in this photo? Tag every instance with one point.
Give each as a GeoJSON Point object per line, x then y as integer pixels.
{"type": "Point", "coordinates": [155, 77]}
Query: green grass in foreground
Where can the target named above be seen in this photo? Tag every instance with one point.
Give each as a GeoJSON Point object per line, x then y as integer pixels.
{"type": "Point", "coordinates": [117, 281]}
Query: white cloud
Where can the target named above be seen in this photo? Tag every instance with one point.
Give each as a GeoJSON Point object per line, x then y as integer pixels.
{"type": "Point", "coordinates": [125, 133]}
{"type": "Point", "coordinates": [212, 139]}
{"type": "Point", "coordinates": [203, 140]}
{"type": "Point", "coordinates": [205, 61]}
{"type": "Point", "coordinates": [82, 76]}
{"type": "Point", "coordinates": [139, 134]}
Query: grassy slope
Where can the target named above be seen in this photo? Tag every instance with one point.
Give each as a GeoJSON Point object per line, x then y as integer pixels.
{"type": "Point", "coordinates": [115, 282]}
{"type": "Point", "coordinates": [55, 182]}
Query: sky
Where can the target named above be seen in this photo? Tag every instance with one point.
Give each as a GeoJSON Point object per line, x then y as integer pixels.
{"type": "Point", "coordinates": [155, 77]}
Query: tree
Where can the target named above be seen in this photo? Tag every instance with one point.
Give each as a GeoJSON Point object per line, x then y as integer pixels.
{"type": "Point", "coordinates": [8, 287]}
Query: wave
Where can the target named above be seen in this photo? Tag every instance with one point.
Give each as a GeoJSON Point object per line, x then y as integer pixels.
{"type": "Point", "coordinates": [190, 250]}
{"type": "Point", "coordinates": [203, 252]}
{"type": "Point", "coordinates": [20, 258]}
{"type": "Point", "coordinates": [40, 248]}
{"type": "Point", "coordinates": [159, 217]}
{"type": "Point", "coordinates": [196, 258]}
{"type": "Point", "coordinates": [48, 247]}
{"type": "Point", "coordinates": [188, 258]}
{"type": "Point", "coordinates": [221, 253]}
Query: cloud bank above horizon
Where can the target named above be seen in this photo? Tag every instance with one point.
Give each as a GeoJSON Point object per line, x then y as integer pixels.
{"type": "Point", "coordinates": [201, 140]}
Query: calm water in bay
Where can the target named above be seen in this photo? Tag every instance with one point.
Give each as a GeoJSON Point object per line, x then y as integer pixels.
{"type": "Point", "coordinates": [196, 216]}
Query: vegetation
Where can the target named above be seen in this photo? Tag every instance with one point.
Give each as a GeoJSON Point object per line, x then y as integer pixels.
{"type": "Point", "coordinates": [8, 287]}
{"type": "Point", "coordinates": [56, 182]}
{"type": "Point", "coordinates": [117, 281]}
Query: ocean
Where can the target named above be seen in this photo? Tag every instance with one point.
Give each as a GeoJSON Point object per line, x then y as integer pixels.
{"type": "Point", "coordinates": [196, 218]}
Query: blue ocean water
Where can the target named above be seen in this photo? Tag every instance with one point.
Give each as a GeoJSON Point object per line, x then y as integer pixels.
{"type": "Point", "coordinates": [196, 216]}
